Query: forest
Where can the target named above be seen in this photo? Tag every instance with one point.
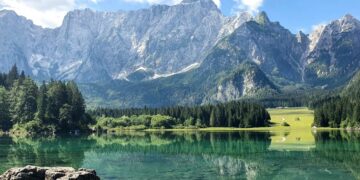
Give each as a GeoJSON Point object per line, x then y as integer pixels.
{"type": "Point", "coordinates": [52, 107]}
{"type": "Point", "coordinates": [239, 114]}
{"type": "Point", "coordinates": [340, 111]}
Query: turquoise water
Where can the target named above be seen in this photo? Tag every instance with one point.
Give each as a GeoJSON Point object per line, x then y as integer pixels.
{"type": "Point", "coordinates": [230, 155]}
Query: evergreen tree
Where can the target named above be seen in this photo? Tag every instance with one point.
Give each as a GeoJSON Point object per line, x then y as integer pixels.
{"type": "Point", "coordinates": [5, 122]}
{"type": "Point", "coordinates": [12, 76]}
{"type": "Point", "coordinates": [42, 104]}
{"type": "Point", "coordinates": [22, 77]}
{"type": "Point", "coordinates": [28, 99]}
{"type": "Point", "coordinates": [57, 97]}
{"type": "Point", "coordinates": [76, 100]}
{"type": "Point", "coordinates": [65, 119]}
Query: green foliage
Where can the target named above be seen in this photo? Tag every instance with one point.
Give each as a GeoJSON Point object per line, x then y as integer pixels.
{"type": "Point", "coordinates": [5, 122]}
{"type": "Point", "coordinates": [232, 114]}
{"type": "Point", "coordinates": [160, 121]}
{"type": "Point", "coordinates": [135, 122]}
{"type": "Point", "coordinates": [340, 111]}
{"type": "Point", "coordinates": [54, 107]}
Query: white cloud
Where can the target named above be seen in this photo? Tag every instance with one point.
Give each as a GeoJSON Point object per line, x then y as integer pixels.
{"type": "Point", "coordinates": [46, 13]}
{"type": "Point", "coordinates": [319, 26]}
{"type": "Point", "coordinates": [251, 6]}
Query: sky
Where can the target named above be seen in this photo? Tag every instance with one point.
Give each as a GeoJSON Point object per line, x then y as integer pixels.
{"type": "Point", "coordinates": [295, 15]}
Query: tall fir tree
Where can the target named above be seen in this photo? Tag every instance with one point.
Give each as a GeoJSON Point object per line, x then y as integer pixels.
{"type": "Point", "coordinates": [5, 122]}
{"type": "Point", "coordinates": [12, 76]}
{"type": "Point", "coordinates": [42, 103]}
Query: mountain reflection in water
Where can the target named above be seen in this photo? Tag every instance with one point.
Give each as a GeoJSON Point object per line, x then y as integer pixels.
{"type": "Point", "coordinates": [195, 155]}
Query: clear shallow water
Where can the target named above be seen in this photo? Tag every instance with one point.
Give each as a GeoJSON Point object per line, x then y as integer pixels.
{"type": "Point", "coordinates": [230, 155]}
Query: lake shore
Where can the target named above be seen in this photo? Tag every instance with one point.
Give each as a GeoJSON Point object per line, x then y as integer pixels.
{"type": "Point", "coordinates": [298, 118]}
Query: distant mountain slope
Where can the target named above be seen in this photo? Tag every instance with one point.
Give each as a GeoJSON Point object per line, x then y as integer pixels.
{"type": "Point", "coordinates": [353, 88]}
{"type": "Point", "coordinates": [334, 53]}
{"type": "Point", "coordinates": [199, 86]}
{"type": "Point", "coordinates": [273, 48]}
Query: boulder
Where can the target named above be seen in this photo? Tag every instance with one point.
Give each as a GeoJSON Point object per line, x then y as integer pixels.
{"type": "Point", "coordinates": [49, 173]}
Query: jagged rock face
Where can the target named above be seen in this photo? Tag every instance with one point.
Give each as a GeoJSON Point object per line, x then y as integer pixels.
{"type": "Point", "coordinates": [279, 57]}
{"type": "Point", "coordinates": [17, 36]}
{"type": "Point", "coordinates": [273, 48]}
{"type": "Point", "coordinates": [97, 46]}
{"type": "Point", "coordinates": [333, 56]}
{"type": "Point", "coordinates": [247, 81]}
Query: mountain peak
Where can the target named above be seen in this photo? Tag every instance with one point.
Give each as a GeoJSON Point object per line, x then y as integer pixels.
{"type": "Point", "coordinates": [194, 1]}
{"type": "Point", "coordinates": [262, 18]}
{"type": "Point", "coordinates": [207, 3]}
{"type": "Point", "coordinates": [301, 37]}
{"type": "Point", "coordinates": [348, 17]}
{"type": "Point", "coordinates": [6, 12]}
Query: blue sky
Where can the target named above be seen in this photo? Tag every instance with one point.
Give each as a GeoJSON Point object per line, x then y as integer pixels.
{"type": "Point", "coordinates": [293, 14]}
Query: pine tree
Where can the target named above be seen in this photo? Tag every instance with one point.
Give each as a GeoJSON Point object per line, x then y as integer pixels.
{"type": "Point", "coordinates": [229, 118]}
{"type": "Point", "coordinates": [28, 101]}
{"type": "Point", "coordinates": [42, 104]}
{"type": "Point", "coordinates": [12, 76]}
{"type": "Point", "coordinates": [22, 77]}
{"type": "Point", "coordinates": [5, 122]}
{"type": "Point", "coordinates": [76, 101]}
{"type": "Point", "coordinates": [57, 97]}
{"type": "Point", "coordinates": [65, 119]}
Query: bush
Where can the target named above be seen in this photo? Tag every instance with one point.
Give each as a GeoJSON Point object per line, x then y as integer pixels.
{"type": "Point", "coordinates": [35, 127]}
{"type": "Point", "coordinates": [189, 122]}
{"type": "Point", "coordinates": [160, 121]}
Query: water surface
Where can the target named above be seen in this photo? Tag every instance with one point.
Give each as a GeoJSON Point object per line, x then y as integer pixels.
{"type": "Point", "coordinates": [195, 155]}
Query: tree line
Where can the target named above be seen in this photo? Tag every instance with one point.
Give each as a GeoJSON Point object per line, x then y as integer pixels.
{"type": "Point", "coordinates": [241, 114]}
{"type": "Point", "coordinates": [53, 107]}
{"type": "Point", "coordinates": [340, 110]}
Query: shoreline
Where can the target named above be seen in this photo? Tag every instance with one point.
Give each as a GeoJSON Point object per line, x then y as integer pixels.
{"type": "Point", "coordinates": [225, 129]}
{"type": "Point", "coordinates": [212, 129]}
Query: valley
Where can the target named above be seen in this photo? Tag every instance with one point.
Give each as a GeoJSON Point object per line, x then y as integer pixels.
{"type": "Point", "coordinates": [182, 89]}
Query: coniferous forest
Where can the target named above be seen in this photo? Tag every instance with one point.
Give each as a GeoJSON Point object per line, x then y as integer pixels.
{"type": "Point", "coordinates": [49, 108]}
{"type": "Point", "coordinates": [232, 114]}
{"type": "Point", "coordinates": [342, 110]}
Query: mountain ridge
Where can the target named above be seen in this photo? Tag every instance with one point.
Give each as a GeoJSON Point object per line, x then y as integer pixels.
{"type": "Point", "coordinates": [180, 55]}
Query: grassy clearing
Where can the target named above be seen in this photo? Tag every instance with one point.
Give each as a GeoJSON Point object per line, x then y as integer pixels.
{"type": "Point", "coordinates": [297, 118]}
{"type": "Point", "coordinates": [298, 135]}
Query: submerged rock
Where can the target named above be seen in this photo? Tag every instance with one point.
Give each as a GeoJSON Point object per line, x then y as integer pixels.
{"type": "Point", "coordinates": [47, 173]}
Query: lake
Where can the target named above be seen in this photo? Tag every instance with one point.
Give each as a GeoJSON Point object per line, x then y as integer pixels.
{"type": "Point", "coordinates": [195, 155]}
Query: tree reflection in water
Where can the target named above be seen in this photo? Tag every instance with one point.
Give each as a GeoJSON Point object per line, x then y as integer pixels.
{"type": "Point", "coordinates": [190, 155]}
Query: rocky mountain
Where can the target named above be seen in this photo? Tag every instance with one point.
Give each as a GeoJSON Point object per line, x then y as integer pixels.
{"type": "Point", "coordinates": [333, 56]}
{"type": "Point", "coordinates": [17, 37]}
{"type": "Point", "coordinates": [183, 54]}
{"type": "Point", "coordinates": [98, 46]}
